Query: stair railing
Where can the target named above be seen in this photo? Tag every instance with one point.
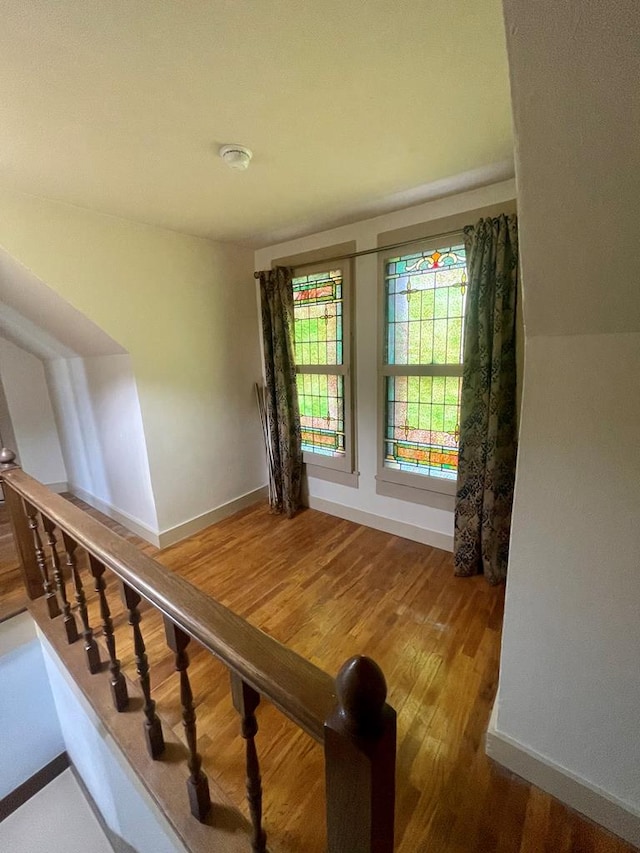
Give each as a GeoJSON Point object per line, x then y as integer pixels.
{"type": "Point", "coordinates": [348, 716]}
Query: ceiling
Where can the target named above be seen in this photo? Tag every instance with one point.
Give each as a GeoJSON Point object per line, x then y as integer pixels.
{"type": "Point", "coordinates": [352, 107]}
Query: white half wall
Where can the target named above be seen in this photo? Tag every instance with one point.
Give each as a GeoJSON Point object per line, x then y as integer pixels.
{"type": "Point", "coordinates": [31, 414]}
{"type": "Point", "coordinates": [134, 821]}
{"type": "Point", "coordinates": [96, 406]}
{"type": "Point", "coordinates": [569, 692]}
{"type": "Point", "coordinates": [569, 686]}
{"type": "Point", "coordinates": [433, 524]}
{"type": "Point", "coordinates": [7, 435]}
{"type": "Point", "coordinates": [31, 735]}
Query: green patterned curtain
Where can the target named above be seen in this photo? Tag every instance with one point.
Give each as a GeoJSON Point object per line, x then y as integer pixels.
{"type": "Point", "coordinates": [276, 297]}
{"type": "Point", "coordinates": [488, 420]}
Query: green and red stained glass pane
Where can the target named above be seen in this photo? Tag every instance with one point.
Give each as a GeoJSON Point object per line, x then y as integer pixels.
{"type": "Point", "coordinates": [317, 311]}
{"type": "Point", "coordinates": [321, 401]}
{"type": "Point", "coordinates": [425, 300]}
{"type": "Point", "coordinates": [423, 424]}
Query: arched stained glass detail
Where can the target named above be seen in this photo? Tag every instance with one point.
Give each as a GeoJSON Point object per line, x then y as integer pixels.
{"type": "Point", "coordinates": [425, 307]}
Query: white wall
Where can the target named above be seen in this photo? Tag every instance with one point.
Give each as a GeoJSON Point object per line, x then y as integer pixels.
{"type": "Point", "coordinates": [6, 427]}
{"type": "Point", "coordinates": [133, 819]}
{"type": "Point", "coordinates": [424, 523]}
{"type": "Point", "coordinates": [96, 406]}
{"type": "Point", "coordinates": [184, 309]}
{"type": "Point", "coordinates": [43, 713]}
{"type": "Point", "coordinates": [31, 735]}
{"type": "Point", "coordinates": [29, 406]}
{"type": "Point", "coordinates": [569, 688]}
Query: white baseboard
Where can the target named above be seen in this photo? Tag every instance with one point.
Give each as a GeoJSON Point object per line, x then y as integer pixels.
{"type": "Point", "coordinates": [591, 801]}
{"type": "Point", "coordinates": [173, 534]}
{"type": "Point", "coordinates": [195, 525]}
{"type": "Point", "coordinates": [387, 525]}
{"type": "Point", "coordinates": [144, 531]}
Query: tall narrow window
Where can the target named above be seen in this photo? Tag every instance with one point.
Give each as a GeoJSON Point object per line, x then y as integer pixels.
{"type": "Point", "coordinates": [321, 320]}
{"type": "Point", "coordinates": [424, 300]}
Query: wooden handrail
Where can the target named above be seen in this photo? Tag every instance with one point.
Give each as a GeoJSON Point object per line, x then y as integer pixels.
{"type": "Point", "coordinates": [301, 691]}
{"type": "Point", "coordinates": [348, 716]}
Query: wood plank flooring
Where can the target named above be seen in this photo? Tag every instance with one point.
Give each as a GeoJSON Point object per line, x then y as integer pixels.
{"type": "Point", "coordinates": [12, 594]}
{"type": "Point", "coordinates": [329, 589]}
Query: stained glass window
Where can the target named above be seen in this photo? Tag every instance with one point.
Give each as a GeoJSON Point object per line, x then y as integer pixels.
{"type": "Point", "coordinates": [425, 300]}
{"type": "Point", "coordinates": [423, 415]}
{"type": "Point", "coordinates": [317, 307]}
{"type": "Point", "coordinates": [318, 304]}
{"type": "Point", "coordinates": [321, 399]}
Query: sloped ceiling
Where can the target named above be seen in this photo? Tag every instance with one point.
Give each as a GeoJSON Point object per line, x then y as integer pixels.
{"type": "Point", "coordinates": [350, 107]}
{"type": "Point", "coordinates": [37, 319]}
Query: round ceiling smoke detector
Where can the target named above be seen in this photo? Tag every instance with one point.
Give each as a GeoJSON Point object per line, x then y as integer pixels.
{"type": "Point", "coordinates": [236, 156]}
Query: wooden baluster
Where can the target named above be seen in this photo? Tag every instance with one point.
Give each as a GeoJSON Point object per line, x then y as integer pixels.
{"type": "Point", "coordinates": [20, 528]}
{"type": "Point", "coordinates": [118, 684]}
{"type": "Point", "coordinates": [152, 725]}
{"type": "Point", "coordinates": [245, 701]}
{"type": "Point", "coordinates": [90, 645]}
{"type": "Point", "coordinates": [49, 595]}
{"type": "Point", "coordinates": [70, 626]}
{"type": "Point", "coordinates": [197, 783]}
{"type": "Point", "coordinates": [360, 751]}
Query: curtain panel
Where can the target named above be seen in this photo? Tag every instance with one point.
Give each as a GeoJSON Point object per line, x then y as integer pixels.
{"type": "Point", "coordinates": [283, 416]}
{"type": "Point", "coordinates": [488, 420]}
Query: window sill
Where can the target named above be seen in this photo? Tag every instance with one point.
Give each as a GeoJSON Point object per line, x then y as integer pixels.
{"type": "Point", "coordinates": [333, 475]}
{"type": "Point", "coordinates": [419, 495]}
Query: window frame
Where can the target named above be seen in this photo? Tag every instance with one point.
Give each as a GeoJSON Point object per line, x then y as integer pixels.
{"type": "Point", "coordinates": [406, 485]}
{"type": "Point", "coordinates": [335, 468]}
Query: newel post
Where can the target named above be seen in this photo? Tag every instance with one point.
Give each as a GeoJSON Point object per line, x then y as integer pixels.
{"type": "Point", "coordinates": [360, 761]}
{"type": "Point", "coordinates": [20, 529]}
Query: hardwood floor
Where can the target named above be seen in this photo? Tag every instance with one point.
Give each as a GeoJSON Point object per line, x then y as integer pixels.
{"type": "Point", "coordinates": [329, 588]}
{"type": "Point", "coordinates": [12, 594]}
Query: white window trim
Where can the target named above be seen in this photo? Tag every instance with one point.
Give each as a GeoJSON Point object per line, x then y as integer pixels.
{"type": "Point", "coordinates": [335, 468]}
{"type": "Point", "coordinates": [405, 485]}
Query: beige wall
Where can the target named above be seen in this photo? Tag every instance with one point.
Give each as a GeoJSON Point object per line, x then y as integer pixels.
{"type": "Point", "coordinates": [184, 308]}
{"type": "Point", "coordinates": [569, 690]}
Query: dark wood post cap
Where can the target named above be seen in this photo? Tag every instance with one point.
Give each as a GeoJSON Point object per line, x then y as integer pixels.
{"type": "Point", "coordinates": [362, 691]}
